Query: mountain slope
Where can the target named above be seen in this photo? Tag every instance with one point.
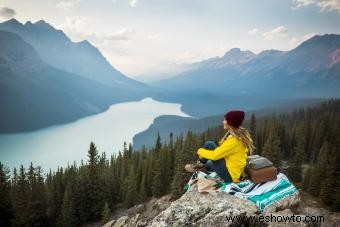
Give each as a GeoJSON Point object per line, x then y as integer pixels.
{"type": "Point", "coordinates": [311, 69]}
{"type": "Point", "coordinates": [34, 94]}
{"type": "Point", "coordinates": [57, 50]}
{"type": "Point", "coordinates": [166, 124]}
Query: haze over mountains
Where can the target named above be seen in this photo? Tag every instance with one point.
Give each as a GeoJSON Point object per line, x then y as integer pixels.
{"type": "Point", "coordinates": [46, 79]}
{"type": "Point", "coordinates": [310, 70]}
{"type": "Point", "coordinates": [34, 94]}
{"type": "Point", "coordinates": [57, 50]}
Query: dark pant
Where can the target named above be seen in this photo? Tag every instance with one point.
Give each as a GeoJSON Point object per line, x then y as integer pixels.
{"type": "Point", "coordinates": [217, 166]}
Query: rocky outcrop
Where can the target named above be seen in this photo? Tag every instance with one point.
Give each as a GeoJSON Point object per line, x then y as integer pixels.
{"type": "Point", "coordinates": [199, 209]}
{"type": "Point", "coordinates": [213, 209]}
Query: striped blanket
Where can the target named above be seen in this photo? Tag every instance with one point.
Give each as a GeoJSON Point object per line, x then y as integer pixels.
{"type": "Point", "coordinates": [262, 194]}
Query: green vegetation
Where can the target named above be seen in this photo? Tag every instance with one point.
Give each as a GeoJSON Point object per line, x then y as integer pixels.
{"type": "Point", "coordinates": [78, 194]}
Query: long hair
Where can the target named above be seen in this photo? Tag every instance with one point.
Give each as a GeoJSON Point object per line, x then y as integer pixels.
{"type": "Point", "coordinates": [242, 134]}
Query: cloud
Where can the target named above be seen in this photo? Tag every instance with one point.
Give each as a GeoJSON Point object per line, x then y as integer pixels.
{"type": "Point", "coordinates": [278, 32]}
{"type": "Point", "coordinates": [152, 36]}
{"type": "Point", "coordinates": [123, 34]}
{"type": "Point", "coordinates": [324, 5]}
{"type": "Point", "coordinates": [77, 28]}
{"type": "Point", "coordinates": [133, 3]}
{"type": "Point", "coordinates": [67, 4]}
{"type": "Point", "coordinates": [253, 31]}
{"type": "Point", "coordinates": [78, 24]}
{"type": "Point", "coordinates": [300, 39]}
{"type": "Point", "coordinates": [6, 12]}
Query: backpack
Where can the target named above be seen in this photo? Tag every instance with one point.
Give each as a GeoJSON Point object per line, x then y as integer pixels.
{"type": "Point", "coordinates": [260, 169]}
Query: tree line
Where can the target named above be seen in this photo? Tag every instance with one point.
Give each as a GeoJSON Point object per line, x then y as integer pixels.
{"type": "Point", "coordinates": [304, 144]}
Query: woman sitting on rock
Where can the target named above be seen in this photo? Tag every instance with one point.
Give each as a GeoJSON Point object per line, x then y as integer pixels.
{"type": "Point", "coordinates": [229, 158]}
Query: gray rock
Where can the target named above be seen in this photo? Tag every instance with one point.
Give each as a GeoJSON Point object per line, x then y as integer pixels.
{"type": "Point", "coordinates": [197, 209]}
{"type": "Point", "coordinates": [212, 209]}
{"type": "Point", "coordinates": [122, 221]}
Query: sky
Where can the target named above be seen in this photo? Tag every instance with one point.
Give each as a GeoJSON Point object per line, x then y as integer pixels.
{"type": "Point", "coordinates": [148, 39]}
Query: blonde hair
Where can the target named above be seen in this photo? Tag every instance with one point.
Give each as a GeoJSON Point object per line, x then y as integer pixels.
{"type": "Point", "coordinates": [242, 134]}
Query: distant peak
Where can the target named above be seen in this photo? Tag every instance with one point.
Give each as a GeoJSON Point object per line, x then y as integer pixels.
{"type": "Point", "coordinates": [28, 23]}
{"type": "Point", "coordinates": [324, 37]}
{"type": "Point", "coordinates": [44, 24]}
{"type": "Point", "coordinates": [12, 21]}
{"type": "Point", "coordinates": [317, 40]}
{"type": "Point", "coordinates": [85, 42]}
{"type": "Point", "coordinates": [237, 51]}
{"type": "Point", "coordinates": [269, 52]}
{"type": "Point", "coordinates": [41, 22]}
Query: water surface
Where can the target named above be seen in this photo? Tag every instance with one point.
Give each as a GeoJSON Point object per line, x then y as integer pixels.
{"type": "Point", "coordinates": [57, 145]}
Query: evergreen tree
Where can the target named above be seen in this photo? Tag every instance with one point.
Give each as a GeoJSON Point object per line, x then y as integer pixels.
{"type": "Point", "coordinates": [20, 198]}
{"type": "Point", "coordinates": [271, 148]}
{"type": "Point", "coordinates": [187, 154]}
{"type": "Point", "coordinates": [106, 214]}
{"type": "Point", "coordinates": [252, 126]}
{"type": "Point", "coordinates": [55, 196]}
{"type": "Point", "coordinates": [37, 200]}
{"type": "Point", "coordinates": [142, 189]}
{"type": "Point", "coordinates": [318, 169]}
{"type": "Point", "coordinates": [295, 169]}
{"type": "Point", "coordinates": [157, 185]}
{"type": "Point", "coordinates": [68, 215]}
{"type": "Point", "coordinates": [95, 195]}
{"type": "Point", "coordinates": [6, 211]}
{"type": "Point", "coordinates": [328, 184]}
{"type": "Point", "coordinates": [306, 179]}
{"type": "Point", "coordinates": [131, 190]}
{"type": "Point", "coordinates": [156, 180]}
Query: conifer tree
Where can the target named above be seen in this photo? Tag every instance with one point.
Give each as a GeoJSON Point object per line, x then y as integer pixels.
{"type": "Point", "coordinates": [6, 211]}
{"type": "Point", "coordinates": [96, 200]}
{"type": "Point", "coordinates": [142, 189]}
{"type": "Point", "coordinates": [68, 215]}
{"type": "Point", "coordinates": [131, 190]}
{"type": "Point", "coordinates": [106, 214]}
{"type": "Point", "coordinates": [252, 126]}
{"type": "Point", "coordinates": [271, 148]}
{"type": "Point", "coordinates": [295, 169]}
{"type": "Point", "coordinates": [156, 180]}
{"type": "Point", "coordinates": [318, 169]}
{"type": "Point", "coordinates": [20, 198]}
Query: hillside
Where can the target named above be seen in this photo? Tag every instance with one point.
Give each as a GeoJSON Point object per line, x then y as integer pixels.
{"type": "Point", "coordinates": [310, 69]}
{"type": "Point", "coordinates": [34, 94]}
{"type": "Point", "coordinates": [166, 124]}
{"type": "Point", "coordinates": [299, 143]}
{"type": "Point", "coordinates": [80, 58]}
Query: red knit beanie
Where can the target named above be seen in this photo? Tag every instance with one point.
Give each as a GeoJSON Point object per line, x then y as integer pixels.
{"type": "Point", "coordinates": [234, 118]}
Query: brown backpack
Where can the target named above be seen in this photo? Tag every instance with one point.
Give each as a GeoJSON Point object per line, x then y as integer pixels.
{"type": "Point", "coordinates": [259, 169]}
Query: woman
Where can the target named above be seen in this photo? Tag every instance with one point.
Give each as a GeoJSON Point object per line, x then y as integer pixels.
{"type": "Point", "coordinates": [229, 158]}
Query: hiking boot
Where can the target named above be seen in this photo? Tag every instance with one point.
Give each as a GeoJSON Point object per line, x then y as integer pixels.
{"type": "Point", "coordinates": [192, 168]}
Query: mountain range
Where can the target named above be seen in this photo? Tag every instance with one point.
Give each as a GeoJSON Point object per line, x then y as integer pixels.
{"type": "Point", "coordinates": [312, 69]}
{"type": "Point", "coordinates": [47, 79]}
{"type": "Point", "coordinates": [57, 50]}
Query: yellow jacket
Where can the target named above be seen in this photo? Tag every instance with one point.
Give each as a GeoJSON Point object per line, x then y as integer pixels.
{"type": "Point", "coordinates": [234, 153]}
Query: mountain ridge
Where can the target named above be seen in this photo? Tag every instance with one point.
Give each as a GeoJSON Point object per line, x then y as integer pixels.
{"type": "Point", "coordinates": [301, 70]}
{"type": "Point", "coordinates": [58, 50]}
{"type": "Point", "coordinates": [34, 94]}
